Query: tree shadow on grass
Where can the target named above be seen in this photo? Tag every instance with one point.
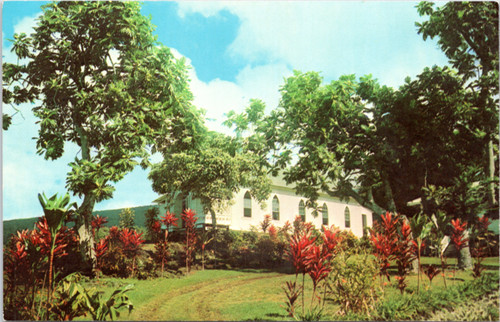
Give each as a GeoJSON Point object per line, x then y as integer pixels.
{"type": "Point", "coordinates": [281, 317]}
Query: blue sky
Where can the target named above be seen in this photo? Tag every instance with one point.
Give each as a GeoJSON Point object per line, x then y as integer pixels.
{"type": "Point", "coordinates": [237, 50]}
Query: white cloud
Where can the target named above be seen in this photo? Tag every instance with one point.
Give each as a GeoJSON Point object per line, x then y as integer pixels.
{"type": "Point", "coordinates": [333, 37]}
{"type": "Point", "coordinates": [218, 97]}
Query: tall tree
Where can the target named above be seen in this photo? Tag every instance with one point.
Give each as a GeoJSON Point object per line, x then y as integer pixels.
{"type": "Point", "coordinates": [212, 173]}
{"type": "Point", "coordinates": [102, 81]}
{"type": "Point", "coordinates": [314, 138]}
{"type": "Point", "coordinates": [468, 34]}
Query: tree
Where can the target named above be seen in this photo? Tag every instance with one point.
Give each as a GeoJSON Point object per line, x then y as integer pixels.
{"type": "Point", "coordinates": [315, 137]}
{"type": "Point", "coordinates": [212, 173]}
{"type": "Point", "coordinates": [468, 34]}
{"type": "Point", "coordinates": [127, 217]}
{"type": "Point", "coordinates": [101, 81]}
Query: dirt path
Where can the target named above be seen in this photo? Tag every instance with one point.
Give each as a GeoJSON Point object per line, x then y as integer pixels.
{"type": "Point", "coordinates": [200, 301]}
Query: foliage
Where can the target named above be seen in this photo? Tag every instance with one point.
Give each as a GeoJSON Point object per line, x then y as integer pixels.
{"type": "Point", "coordinates": [314, 259]}
{"type": "Point", "coordinates": [212, 172]}
{"type": "Point", "coordinates": [105, 84]}
{"type": "Point", "coordinates": [421, 228]}
{"type": "Point", "coordinates": [127, 216]}
{"type": "Point", "coordinates": [131, 244]}
{"type": "Point", "coordinates": [420, 306]}
{"type": "Point", "coordinates": [264, 225]}
{"type": "Point", "coordinates": [472, 48]}
{"type": "Point", "coordinates": [484, 309]}
{"type": "Point", "coordinates": [353, 283]}
{"type": "Point", "coordinates": [73, 300]}
{"type": "Point", "coordinates": [431, 271]}
{"type": "Point", "coordinates": [292, 293]}
{"type": "Point", "coordinates": [189, 220]}
{"type": "Point", "coordinates": [457, 234]}
{"type": "Point", "coordinates": [29, 257]}
{"type": "Point", "coordinates": [405, 254]}
{"type": "Point", "coordinates": [169, 220]}
{"type": "Point", "coordinates": [97, 223]}
{"type": "Point", "coordinates": [384, 239]}
{"type": "Point", "coordinates": [484, 240]}
{"type": "Point", "coordinates": [153, 226]}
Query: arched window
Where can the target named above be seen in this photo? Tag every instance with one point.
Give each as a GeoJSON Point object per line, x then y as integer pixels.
{"type": "Point", "coordinates": [247, 205]}
{"type": "Point", "coordinates": [276, 208]}
{"type": "Point", "coordinates": [302, 211]}
{"type": "Point", "coordinates": [347, 215]}
{"type": "Point", "coordinates": [324, 212]}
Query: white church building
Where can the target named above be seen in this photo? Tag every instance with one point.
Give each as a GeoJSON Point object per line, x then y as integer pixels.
{"type": "Point", "coordinates": [284, 205]}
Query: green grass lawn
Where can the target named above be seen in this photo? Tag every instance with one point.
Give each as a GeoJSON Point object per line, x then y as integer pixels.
{"type": "Point", "coordinates": [235, 294]}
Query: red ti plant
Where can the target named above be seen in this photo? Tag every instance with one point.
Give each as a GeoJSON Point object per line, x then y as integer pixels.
{"type": "Point", "coordinates": [97, 223]}
{"type": "Point", "coordinates": [406, 251]}
{"type": "Point", "coordinates": [100, 249]}
{"type": "Point", "coordinates": [189, 219]}
{"type": "Point", "coordinates": [264, 225]}
{"type": "Point", "coordinates": [298, 224]}
{"type": "Point", "coordinates": [431, 271]}
{"type": "Point", "coordinates": [483, 240]}
{"type": "Point", "coordinates": [273, 232]}
{"type": "Point", "coordinates": [457, 235]}
{"type": "Point", "coordinates": [169, 220]}
{"type": "Point", "coordinates": [131, 242]}
{"type": "Point", "coordinates": [384, 238]}
{"type": "Point", "coordinates": [55, 210]}
{"type": "Point", "coordinates": [317, 265]}
{"type": "Point", "coordinates": [300, 243]}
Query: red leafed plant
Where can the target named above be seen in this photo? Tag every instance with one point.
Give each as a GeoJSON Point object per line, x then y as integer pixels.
{"type": "Point", "coordinates": [431, 271]}
{"type": "Point", "coordinates": [156, 227]}
{"type": "Point", "coordinates": [483, 240]}
{"type": "Point", "coordinates": [457, 234]}
{"type": "Point", "coordinates": [331, 239]}
{"type": "Point", "coordinates": [169, 220]}
{"type": "Point", "coordinates": [273, 232]}
{"type": "Point", "coordinates": [406, 251]}
{"type": "Point", "coordinates": [100, 249]}
{"type": "Point", "coordinates": [189, 218]}
{"type": "Point", "coordinates": [97, 223]}
{"type": "Point", "coordinates": [310, 255]}
{"type": "Point", "coordinates": [131, 243]}
{"type": "Point", "coordinates": [264, 225]}
{"type": "Point", "coordinates": [384, 238]}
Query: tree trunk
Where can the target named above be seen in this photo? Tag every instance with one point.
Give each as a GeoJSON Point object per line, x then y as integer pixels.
{"type": "Point", "coordinates": [464, 257]}
{"type": "Point", "coordinates": [84, 229]}
{"type": "Point", "coordinates": [491, 176]}
{"type": "Point", "coordinates": [214, 230]}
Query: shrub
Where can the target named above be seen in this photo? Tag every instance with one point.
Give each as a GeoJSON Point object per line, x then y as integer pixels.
{"type": "Point", "coordinates": [127, 217]}
{"type": "Point", "coordinates": [353, 283]}
{"type": "Point", "coordinates": [420, 306]}
{"type": "Point", "coordinates": [153, 225]}
{"type": "Point", "coordinates": [189, 219]}
{"type": "Point", "coordinates": [349, 240]}
{"type": "Point", "coordinates": [97, 223]}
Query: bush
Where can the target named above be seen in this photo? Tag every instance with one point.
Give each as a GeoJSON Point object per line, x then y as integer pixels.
{"type": "Point", "coordinates": [353, 283]}
{"type": "Point", "coordinates": [422, 305]}
{"type": "Point", "coordinates": [127, 217]}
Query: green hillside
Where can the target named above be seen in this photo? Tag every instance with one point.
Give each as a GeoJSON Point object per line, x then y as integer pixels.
{"type": "Point", "coordinates": [11, 226]}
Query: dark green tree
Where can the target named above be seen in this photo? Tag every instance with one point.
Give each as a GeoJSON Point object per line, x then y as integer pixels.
{"type": "Point", "coordinates": [467, 33]}
{"type": "Point", "coordinates": [101, 81]}
{"type": "Point", "coordinates": [212, 173]}
{"type": "Point", "coordinates": [127, 218]}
